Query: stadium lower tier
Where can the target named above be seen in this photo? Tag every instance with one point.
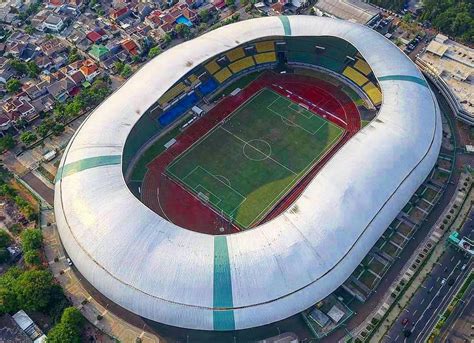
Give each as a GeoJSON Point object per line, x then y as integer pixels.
{"type": "Point", "coordinates": [185, 186]}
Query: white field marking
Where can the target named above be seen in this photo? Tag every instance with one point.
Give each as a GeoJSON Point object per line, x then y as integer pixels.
{"type": "Point", "coordinates": [243, 198]}
{"type": "Point", "coordinates": [325, 111]}
{"type": "Point", "coordinates": [254, 159]}
{"type": "Point", "coordinates": [200, 187]}
{"type": "Point", "coordinates": [302, 174]}
{"type": "Point", "coordinates": [245, 142]}
{"type": "Point", "coordinates": [202, 138]}
{"type": "Point", "coordinates": [159, 204]}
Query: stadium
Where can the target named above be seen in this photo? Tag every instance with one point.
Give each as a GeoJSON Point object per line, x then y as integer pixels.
{"type": "Point", "coordinates": [239, 178]}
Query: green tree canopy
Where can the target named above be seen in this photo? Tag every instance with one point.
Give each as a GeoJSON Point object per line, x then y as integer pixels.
{"type": "Point", "coordinates": [5, 239]}
{"type": "Point", "coordinates": [13, 86]}
{"type": "Point", "coordinates": [32, 258]}
{"type": "Point", "coordinates": [31, 239]}
{"type": "Point", "coordinates": [69, 328]}
{"type": "Point", "coordinates": [28, 137]}
{"type": "Point", "coordinates": [6, 142]}
{"type": "Point", "coordinates": [155, 51]}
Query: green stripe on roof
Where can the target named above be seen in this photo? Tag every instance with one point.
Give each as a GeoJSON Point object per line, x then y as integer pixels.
{"type": "Point", "coordinates": [87, 163]}
{"type": "Point", "coordinates": [286, 24]}
{"type": "Point", "coordinates": [223, 317]}
{"type": "Point", "coordinates": [408, 78]}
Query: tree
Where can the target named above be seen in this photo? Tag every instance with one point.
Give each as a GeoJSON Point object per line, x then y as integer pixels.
{"type": "Point", "coordinates": [32, 258]}
{"type": "Point", "coordinates": [13, 86]}
{"type": "Point", "coordinates": [167, 38]}
{"type": "Point", "coordinates": [29, 29]}
{"type": "Point", "coordinates": [73, 55]}
{"type": "Point", "coordinates": [5, 239]}
{"type": "Point", "coordinates": [31, 239]}
{"type": "Point", "coordinates": [204, 15]}
{"type": "Point", "coordinates": [28, 137]}
{"type": "Point", "coordinates": [6, 142]}
{"type": "Point", "coordinates": [44, 128]}
{"type": "Point", "coordinates": [57, 129]}
{"type": "Point", "coordinates": [182, 30]}
{"type": "Point", "coordinates": [230, 3]}
{"type": "Point", "coordinates": [69, 328]}
{"type": "Point", "coordinates": [126, 71]}
{"type": "Point", "coordinates": [155, 51]}
{"type": "Point", "coordinates": [32, 69]}
{"type": "Point", "coordinates": [33, 290]}
{"type": "Point", "coordinates": [4, 255]}
{"type": "Point", "coordinates": [19, 66]}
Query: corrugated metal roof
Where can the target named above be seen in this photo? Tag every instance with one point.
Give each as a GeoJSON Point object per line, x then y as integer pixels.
{"type": "Point", "coordinates": [188, 279]}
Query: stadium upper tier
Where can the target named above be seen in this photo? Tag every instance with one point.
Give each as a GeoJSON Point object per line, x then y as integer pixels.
{"type": "Point", "coordinates": [188, 279]}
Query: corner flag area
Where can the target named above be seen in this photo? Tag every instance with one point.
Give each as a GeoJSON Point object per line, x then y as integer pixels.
{"type": "Point", "coordinates": [248, 162]}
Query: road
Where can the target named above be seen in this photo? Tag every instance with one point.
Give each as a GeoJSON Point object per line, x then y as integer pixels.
{"type": "Point", "coordinates": [434, 294]}
{"type": "Point", "coordinates": [458, 327]}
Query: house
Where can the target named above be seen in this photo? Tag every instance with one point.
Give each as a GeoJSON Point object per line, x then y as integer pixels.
{"type": "Point", "coordinates": [6, 71]}
{"type": "Point", "coordinates": [19, 107]}
{"type": "Point", "coordinates": [59, 61]}
{"type": "Point", "coordinates": [154, 19]}
{"type": "Point", "coordinates": [9, 330]}
{"type": "Point", "coordinates": [55, 3]}
{"type": "Point", "coordinates": [143, 9]}
{"type": "Point", "coordinates": [15, 49]}
{"type": "Point", "coordinates": [59, 90]}
{"type": "Point", "coordinates": [94, 37]}
{"type": "Point", "coordinates": [52, 47]}
{"type": "Point", "coordinates": [76, 36]}
{"type": "Point", "coordinates": [43, 62]}
{"type": "Point", "coordinates": [113, 46]}
{"type": "Point", "coordinates": [77, 77]}
{"type": "Point", "coordinates": [28, 326]}
{"type": "Point", "coordinates": [53, 23]}
{"type": "Point", "coordinates": [35, 90]}
{"type": "Point", "coordinates": [5, 124]}
{"type": "Point", "coordinates": [43, 104]}
{"type": "Point", "coordinates": [90, 70]}
{"type": "Point", "coordinates": [99, 52]}
{"type": "Point", "coordinates": [131, 47]}
{"type": "Point", "coordinates": [120, 14]}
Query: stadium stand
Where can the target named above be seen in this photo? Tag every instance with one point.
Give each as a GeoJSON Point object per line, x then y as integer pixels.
{"type": "Point", "coordinates": [266, 57]}
{"type": "Point", "coordinates": [223, 74]}
{"type": "Point", "coordinates": [265, 46]}
{"type": "Point", "coordinates": [143, 130]}
{"type": "Point", "coordinates": [235, 54]}
{"type": "Point", "coordinates": [172, 93]}
{"type": "Point", "coordinates": [207, 87]}
{"type": "Point", "coordinates": [241, 64]}
{"type": "Point", "coordinates": [373, 93]}
{"type": "Point", "coordinates": [212, 67]}
{"type": "Point", "coordinates": [178, 109]}
{"type": "Point", "coordinates": [193, 78]}
{"type": "Point", "coordinates": [363, 67]}
{"type": "Point", "coordinates": [355, 76]}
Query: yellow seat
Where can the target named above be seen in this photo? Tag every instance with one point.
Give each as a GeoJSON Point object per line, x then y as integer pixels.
{"type": "Point", "coordinates": [355, 76]}
{"type": "Point", "coordinates": [223, 74]}
{"type": "Point", "coordinates": [212, 67]}
{"type": "Point", "coordinates": [235, 54]}
{"type": "Point", "coordinates": [241, 64]}
{"type": "Point", "coordinates": [266, 57]}
{"type": "Point", "coordinates": [363, 67]}
{"type": "Point", "coordinates": [265, 46]}
{"type": "Point", "coordinates": [373, 93]}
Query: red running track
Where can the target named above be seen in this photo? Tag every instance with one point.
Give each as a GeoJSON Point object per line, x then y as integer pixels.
{"type": "Point", "coordinates": [172, 201]}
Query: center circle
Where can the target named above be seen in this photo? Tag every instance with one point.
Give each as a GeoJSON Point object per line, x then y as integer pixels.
{"type": "Point", "coordinates": [257, 150]}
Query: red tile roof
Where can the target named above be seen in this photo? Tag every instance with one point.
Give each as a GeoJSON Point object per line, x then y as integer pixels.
{"type": "Point", "coordinates": [94, 36]}
{"type": "Point", "coordinates": [130, 46]}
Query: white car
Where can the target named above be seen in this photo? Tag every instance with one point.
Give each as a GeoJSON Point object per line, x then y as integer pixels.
{"type": "Point", "coordinates": [443, 281]}
{"type": "Point", "coordinates": [69, 262]}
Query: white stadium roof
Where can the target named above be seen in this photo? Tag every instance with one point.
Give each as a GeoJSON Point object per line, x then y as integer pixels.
{"type": "Point", "coordinates": [187, 279]}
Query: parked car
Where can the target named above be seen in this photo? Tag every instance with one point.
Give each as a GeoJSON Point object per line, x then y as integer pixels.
{"type": "Point", "coordinates": [405, 321]}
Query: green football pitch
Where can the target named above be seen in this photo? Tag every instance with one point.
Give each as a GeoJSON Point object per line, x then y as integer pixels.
{"type": "Point", "coordinates": [247, 163]}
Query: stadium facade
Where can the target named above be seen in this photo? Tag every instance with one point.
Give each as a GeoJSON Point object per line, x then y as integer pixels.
{"type": "Point", "coordinates": [187, 279]}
